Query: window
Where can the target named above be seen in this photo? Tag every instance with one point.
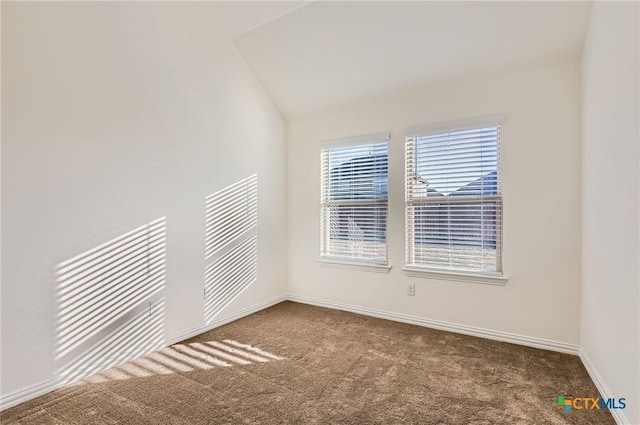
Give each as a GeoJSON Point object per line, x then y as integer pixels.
{"type": "Point", "coordinates": [453, 201]}
{"type": "Point", "coordinates": [354, 200]}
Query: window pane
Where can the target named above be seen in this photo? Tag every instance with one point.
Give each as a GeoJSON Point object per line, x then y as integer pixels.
{"type": "Point", "coordinates": [459, 162]}
{"type": "Point", "coordinates": [354, 207]}
{"type": "Point", "coordinates": [357, 231]}
{"type": "Point", "coordinates": [358, 172]}
{"type": "Point", "coordinates": [456, 235]}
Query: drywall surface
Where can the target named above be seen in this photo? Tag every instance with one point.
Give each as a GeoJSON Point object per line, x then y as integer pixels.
{"type": "Point", "coordinates": [329, 52]}
{"type": "Point", "coordinates": [610, 326]}
{"type": "Point", "coordinates": [119, 118]}
{"type": "Point", "coordinates": [541, 189]}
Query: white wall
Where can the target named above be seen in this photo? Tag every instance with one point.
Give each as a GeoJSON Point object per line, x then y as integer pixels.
{"type": "Point", "coordinates": [541, 186]}
{"type": "Point", "coordinates": [610, 326]}
{"type": "Point", "coordinates": [114, 115]}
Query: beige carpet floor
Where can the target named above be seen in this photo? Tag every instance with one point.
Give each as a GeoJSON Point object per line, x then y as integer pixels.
{"type": "Point", "coordinates": [298, 364]}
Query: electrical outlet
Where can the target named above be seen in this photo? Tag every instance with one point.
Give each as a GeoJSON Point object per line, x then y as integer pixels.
{"type": "Point", "coordinates": [411, 289]}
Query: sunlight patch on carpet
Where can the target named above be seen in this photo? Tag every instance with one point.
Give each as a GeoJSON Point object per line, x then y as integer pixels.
{"type": "Point", "coordinates": [181, 358]}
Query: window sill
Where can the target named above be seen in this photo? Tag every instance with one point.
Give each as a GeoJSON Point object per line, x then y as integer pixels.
{"type": "Point", "coordinates": [428, 273]}
{"type": "Point", "coordinates": [355, 265]}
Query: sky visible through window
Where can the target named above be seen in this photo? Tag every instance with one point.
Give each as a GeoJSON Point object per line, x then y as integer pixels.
{"type": "Point", "coordinates": [452, 160]}
{"type": "Point", "coordinates": [448, 161]}
{"type": "Point", "coordinates": [359, 172]}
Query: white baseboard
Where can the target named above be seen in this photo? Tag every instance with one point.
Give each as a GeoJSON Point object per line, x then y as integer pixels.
{"type": "Point", "coordinates": [189, 333]}
{"type": "Point", "coordinates": [619, 415]}
{"type": "Point", "coordinates": [529, 341]}
{"type": "Point", "coordinates": [49, 385]}
{"type": "Point", "coordinates": [28, 393]}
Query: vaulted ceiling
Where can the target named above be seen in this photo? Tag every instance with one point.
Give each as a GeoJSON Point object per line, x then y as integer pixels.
{"type": "Point", "coordinates": [326, 53]}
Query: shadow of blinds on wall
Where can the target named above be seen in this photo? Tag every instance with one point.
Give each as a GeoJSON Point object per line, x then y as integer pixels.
{"type": "Point", "coordinates": [231, 244]}
{"type": "Point", "coordinates": [110, 302]}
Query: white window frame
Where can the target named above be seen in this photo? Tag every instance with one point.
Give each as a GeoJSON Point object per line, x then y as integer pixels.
{"type": "Point", "coordinates": [353, 263]}
{"type": "Point", "coordinates": [423, 271]}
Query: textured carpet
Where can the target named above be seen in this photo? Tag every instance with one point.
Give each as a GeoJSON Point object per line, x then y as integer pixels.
{"type": "Point", "coordinates": [312, 365]}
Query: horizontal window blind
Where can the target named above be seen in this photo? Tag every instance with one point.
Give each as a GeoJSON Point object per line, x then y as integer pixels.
{"type": "Point", "coordinates": [453, 200]}
{"type": "Point", "coordinates": [354, 202]}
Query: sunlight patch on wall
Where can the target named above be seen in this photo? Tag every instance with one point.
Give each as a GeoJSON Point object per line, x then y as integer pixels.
{"type": "Point", "coordinates": [135, 337]}
{"type": "Point", "coordinates": [230, 213]}
{"type": "Point", "coordinates": [231, 244]}
{"type": "Point", "coordinates": [109, 303]}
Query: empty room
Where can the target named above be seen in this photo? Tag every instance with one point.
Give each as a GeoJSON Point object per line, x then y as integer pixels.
{"type": "Point", "coordinates": [320, 212]}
